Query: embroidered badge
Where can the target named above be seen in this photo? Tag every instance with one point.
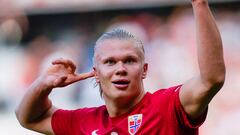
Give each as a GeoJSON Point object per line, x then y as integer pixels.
{"type": "Point", "coordinates": [134, 123]}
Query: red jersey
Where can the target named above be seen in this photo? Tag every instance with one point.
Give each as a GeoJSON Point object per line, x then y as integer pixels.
{"type": "Point", "coordinates": [159, 113]}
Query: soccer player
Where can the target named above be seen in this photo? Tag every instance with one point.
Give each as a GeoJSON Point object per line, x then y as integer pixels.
{"type": "Point", "coordinates": [119, 69]}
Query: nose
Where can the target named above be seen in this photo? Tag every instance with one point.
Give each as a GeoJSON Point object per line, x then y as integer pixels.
{"type": "Point", "coordinates": [121, 69]}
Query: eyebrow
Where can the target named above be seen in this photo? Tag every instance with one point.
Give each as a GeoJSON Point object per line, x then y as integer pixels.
{"type": "Point", "coordinates": [125, 57]}
{"type": "Point", "coordinates": [131, 57]}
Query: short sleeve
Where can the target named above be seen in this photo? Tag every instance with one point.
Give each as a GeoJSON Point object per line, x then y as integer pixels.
{"type": "Point", "coordinates": [182, 116]}
{"type": "Point", "coordinates": [61, 122]}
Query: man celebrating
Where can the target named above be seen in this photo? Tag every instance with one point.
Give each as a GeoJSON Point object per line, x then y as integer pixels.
{"type": "Point", "coordinates": [119, 69]}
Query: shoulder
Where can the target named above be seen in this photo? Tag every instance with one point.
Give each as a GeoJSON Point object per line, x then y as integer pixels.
{"type": "Point", "coordinates": [69, 121]}
{"type": "Point", "coordinates": [165, 96]}
{"type": "Point", "coordinates": [166, 92]}
{"type": "Point", "coordinates": [80, 112]}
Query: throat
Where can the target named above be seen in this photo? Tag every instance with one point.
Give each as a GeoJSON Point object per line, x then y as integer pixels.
{"type": "Point", "coordinates": [121, 106]}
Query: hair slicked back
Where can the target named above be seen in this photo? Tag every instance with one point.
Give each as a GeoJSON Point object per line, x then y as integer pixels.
{"type": "Point", "coordinates": [119, 34]}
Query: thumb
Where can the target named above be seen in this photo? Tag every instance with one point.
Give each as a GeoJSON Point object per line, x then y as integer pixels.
{"type": "Point", "coordinates": [59, 80]}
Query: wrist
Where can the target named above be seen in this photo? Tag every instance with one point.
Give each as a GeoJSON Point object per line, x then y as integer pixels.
{"type": "Point", "coordinates": [41, 84]}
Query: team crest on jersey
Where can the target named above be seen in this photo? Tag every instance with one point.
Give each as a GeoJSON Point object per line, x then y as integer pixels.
{"type": "Point", "coordinates": [134, 123]}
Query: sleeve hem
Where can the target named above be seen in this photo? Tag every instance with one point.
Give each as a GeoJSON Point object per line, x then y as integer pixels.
{"type": "Point", "coordinates": [53, 122]}
{"type": "Point", "coordinates": [184, 117]}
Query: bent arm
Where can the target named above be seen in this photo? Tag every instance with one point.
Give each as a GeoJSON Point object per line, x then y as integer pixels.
{"type": "Point", "coordinates": [35, 109]}
{"type": "Point", "coordinates": [196, 94]}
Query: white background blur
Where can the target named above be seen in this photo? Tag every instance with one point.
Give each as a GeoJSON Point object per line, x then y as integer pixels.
{"type": "Point", "coordinates": [34, 32]}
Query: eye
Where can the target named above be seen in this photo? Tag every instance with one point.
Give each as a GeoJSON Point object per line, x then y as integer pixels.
{"type": "Point", "coordinates": [130, 61]}
{"type": "Point", "coordinates": [109, 62]}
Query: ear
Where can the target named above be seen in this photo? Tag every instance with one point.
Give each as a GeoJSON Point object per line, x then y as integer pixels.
{"type": "Point", "coordinates": [96, 75]}
{"type": "Point", "coordinates": [145, 69]}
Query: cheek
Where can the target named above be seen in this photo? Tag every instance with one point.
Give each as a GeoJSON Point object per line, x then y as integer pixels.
{"type": "Point", "coordinates": [105, 74]}
{"type": "Point", "coordinates": [137, 72]}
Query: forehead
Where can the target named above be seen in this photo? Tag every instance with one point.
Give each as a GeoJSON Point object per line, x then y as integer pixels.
{"type": "Point", "coordinates": [116, 48]}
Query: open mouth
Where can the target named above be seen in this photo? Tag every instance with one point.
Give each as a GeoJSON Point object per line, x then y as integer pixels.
{"type": "Point", "coordinates": [121, 84]}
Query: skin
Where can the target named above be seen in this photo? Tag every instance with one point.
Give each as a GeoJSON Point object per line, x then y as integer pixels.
{"type": "Point", "coordinates": [197, 93]}
{"type": "Point", "coordinates": [35, 110]}
{"type": "Point", "coordinates": [120, 60]}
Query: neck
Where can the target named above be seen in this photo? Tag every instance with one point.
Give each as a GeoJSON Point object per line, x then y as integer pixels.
{"type": "Point", "coordinates": [117, 107]}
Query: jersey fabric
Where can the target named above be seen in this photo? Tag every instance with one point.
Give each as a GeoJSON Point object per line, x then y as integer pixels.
{"type": "Point", "coordinates": [159, 113]}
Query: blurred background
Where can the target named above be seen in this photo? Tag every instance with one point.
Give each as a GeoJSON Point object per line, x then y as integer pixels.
{"type": "Point", "coordinates": [34, 32]}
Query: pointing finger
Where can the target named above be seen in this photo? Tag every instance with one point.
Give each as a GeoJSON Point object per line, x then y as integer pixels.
{"type": "Point", "coordinates": [83, 76]}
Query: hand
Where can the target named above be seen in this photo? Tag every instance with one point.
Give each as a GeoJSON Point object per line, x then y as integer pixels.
{"type": "Point", "coordinates": [62, 73]}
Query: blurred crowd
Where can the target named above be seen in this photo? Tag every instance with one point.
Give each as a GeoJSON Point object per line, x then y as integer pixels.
{"type": "Point", "coordinates": [170, 44]}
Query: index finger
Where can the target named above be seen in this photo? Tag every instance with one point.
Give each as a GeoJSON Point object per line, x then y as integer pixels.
{"type": "Point", "coordinates": [83, 76]}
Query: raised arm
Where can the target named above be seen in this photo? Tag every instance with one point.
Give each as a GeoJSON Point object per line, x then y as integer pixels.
{"type": "Point", "coordinates": [35, 109]}
{"type": "Point", "coordinates": [196, 94]}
